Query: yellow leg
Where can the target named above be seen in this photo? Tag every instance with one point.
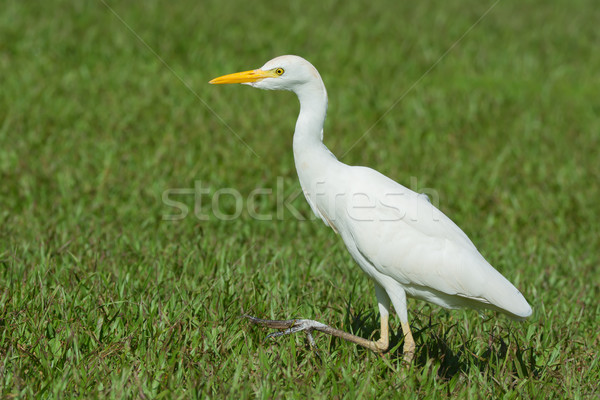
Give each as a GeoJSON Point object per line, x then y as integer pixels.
{"type": "Point", "coordinates": [384, 335]}
{"type": "Point", "coordinates": [409, 342]}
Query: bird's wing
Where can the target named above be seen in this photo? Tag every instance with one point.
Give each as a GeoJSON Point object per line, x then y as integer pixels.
{"type": "Point", "coordinates": [387, 201]}
{"type": "Point", "coordinates": [405, 237]}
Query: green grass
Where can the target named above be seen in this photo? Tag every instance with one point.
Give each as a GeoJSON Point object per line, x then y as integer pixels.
{"type": "Point", "coordinates": [100, 296]}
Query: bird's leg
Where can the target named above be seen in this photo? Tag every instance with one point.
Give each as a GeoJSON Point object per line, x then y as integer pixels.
{"type": "Point", "coordinates": [409, 342]}
{"type": "Point", "coordinates": [398, 298]}
{"type": "Point", "coordinates": [308, 325]}
{"type": "Point", "coordinates": [384, 334]}
{"type": "Point", "coordinates": [383, 301]}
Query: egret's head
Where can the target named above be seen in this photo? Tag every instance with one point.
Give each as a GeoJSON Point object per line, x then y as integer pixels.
{"type": "Point", "coordinates": [280, 73]}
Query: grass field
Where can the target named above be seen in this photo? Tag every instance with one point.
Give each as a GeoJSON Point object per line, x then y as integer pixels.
{"type": "Point", "coordinates": [108, 291]}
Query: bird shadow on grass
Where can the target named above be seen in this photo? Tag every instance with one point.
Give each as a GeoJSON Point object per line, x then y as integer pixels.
{"type": "Point", "coordinates": [436, 345]}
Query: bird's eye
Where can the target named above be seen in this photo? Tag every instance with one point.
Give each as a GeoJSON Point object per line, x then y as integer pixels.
{"type": "Point", "coordinates": [279, 71]}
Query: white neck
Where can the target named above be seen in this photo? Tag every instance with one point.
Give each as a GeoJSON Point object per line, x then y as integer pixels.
{"type": "Point", "coordinates": [308, 135]}
{"type": "Point", "coordinates": [313, 160]}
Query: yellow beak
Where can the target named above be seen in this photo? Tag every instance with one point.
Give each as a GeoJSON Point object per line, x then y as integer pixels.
{"type": "Point", "coordinates": [244, 77]}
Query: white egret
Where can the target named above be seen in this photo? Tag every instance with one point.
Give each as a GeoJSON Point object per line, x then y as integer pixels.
{"type": "Point", "coordinates": [400, 240]}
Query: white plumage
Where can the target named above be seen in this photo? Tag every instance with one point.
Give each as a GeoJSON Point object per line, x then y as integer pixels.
{"type": "Point", "coordinates": [399, 239]}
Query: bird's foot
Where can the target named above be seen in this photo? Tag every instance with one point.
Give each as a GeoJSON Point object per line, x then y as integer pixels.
{"type": "Point", "coordinates": [290, 326]}
{"type": "Point", "coordinates": [409, 351]}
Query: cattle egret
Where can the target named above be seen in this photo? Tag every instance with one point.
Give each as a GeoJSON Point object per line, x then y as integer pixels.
{"type": "Point", "coordinates": [399, 239]}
